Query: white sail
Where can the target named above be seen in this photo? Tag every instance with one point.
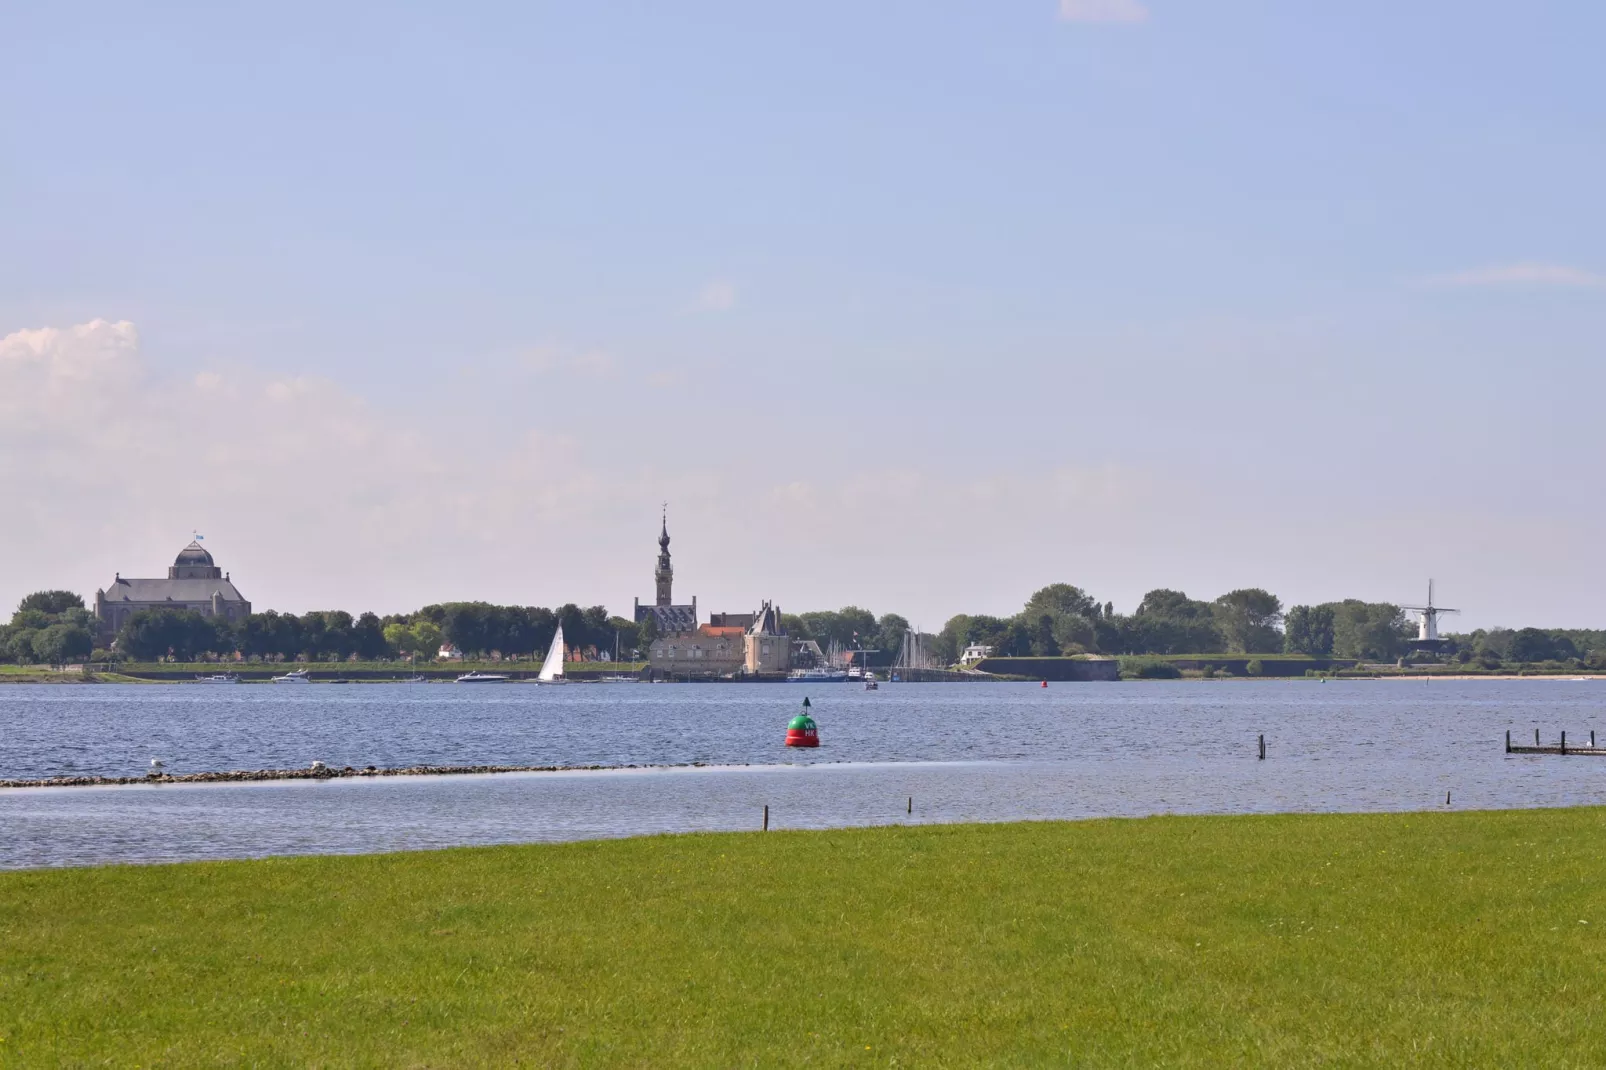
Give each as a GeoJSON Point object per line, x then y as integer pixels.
{"type": "Point", "coordinates": [552, 668]}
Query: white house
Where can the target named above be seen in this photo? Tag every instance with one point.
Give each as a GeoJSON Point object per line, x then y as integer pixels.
{"type": "Point", "coordinates": [975, 652]}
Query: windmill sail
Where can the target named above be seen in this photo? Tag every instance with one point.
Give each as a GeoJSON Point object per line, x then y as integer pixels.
{"type": "Point", "coordinates": [552, 668]}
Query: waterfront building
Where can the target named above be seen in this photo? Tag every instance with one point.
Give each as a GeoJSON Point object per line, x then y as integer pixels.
{"type": "Point", "coordinates": [767, 646]}
{"type": "Point", "coordinates": [729, 643]}
{"type": "Point", "coordinates": [975, 652]}
{"type": "Point", "coordinates": [193, 582]}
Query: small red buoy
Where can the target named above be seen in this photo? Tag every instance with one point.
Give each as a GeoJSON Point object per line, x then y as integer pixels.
{"type": "Point", "coordinates": [801, 732]}
{"type": "Point", "coordinates": [1045, 683]}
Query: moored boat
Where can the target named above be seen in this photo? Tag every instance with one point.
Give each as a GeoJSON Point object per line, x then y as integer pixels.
{"type": "Point", "coordinates": [218, 678]}
{"type": "Point", "coordinates": [299, 676]}
{"type": "Point", "coordinates": [477, 677]}
{"type": "Point", "coordinates": [817, 676]}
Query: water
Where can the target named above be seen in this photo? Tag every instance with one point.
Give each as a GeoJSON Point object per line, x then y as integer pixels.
{"type": "Point", "coordinates": [714, 758]}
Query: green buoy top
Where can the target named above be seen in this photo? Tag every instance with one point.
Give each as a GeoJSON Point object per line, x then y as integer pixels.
{"type": "Point", "coordinates": [801, 723]}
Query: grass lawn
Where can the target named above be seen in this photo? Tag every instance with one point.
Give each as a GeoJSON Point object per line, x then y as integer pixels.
{"type": "Point", "coordinates": [1438, 939]}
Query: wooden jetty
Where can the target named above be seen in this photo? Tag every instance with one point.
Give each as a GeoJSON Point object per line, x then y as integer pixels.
{"type": "Point", "coordinates": [1557, 748]}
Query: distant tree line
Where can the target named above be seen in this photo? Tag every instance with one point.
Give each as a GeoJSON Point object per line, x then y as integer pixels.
{"type": "Point", "coordinates": [54, 627]}
{"type": "Point", "coordinates": [1065, 619]}
{"type": "Point", "coordinates": [50, 628]}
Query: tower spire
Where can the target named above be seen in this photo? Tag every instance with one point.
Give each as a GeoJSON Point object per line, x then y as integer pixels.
{"type": "Point", "coordinates": [664, 575]}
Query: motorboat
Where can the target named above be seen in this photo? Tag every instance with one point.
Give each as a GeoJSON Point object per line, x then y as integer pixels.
{"type": "Point", "coordinates": [218, 678]}
{"type": "Point", "coordinates": [619, 678]}
{"type": "Point", "coordinates": [477, 677]}
{"type": "Point", "coordinates": [299, 676]}
{"type": "Point", "coordinates": [552, 668]}
{"type": "Point", "coordinates": [871, 683]}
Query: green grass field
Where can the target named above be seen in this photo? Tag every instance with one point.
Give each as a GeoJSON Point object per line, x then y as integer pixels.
{"type": "Point", "coordinates": [1474, 939]}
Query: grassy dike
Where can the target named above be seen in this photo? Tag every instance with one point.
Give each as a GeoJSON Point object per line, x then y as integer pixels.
{"type": "Point", "coordinates": [1436, 939]}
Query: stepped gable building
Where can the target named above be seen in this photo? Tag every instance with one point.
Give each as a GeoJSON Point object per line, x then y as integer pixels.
{"type": "Point", "coordinates": [193, 582]}
{"type": "Point", "coordinates": [729, 643]}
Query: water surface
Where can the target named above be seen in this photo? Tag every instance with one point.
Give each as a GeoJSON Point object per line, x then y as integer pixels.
{"type": "Point", "coordinates": [976, 752]}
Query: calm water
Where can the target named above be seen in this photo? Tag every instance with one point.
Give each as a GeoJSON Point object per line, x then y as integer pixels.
{"type": "Point", "coordinates": [964, 752]}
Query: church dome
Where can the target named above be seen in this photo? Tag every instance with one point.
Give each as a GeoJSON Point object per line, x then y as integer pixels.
{"type": "Point", "coordinates": [192, 555]}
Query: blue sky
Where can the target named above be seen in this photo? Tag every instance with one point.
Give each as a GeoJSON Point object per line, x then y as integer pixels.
{"type": "Point", "coordinates": [916, 305]}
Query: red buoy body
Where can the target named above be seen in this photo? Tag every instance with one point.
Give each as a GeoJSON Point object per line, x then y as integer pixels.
{"type": "Point", "coordinates": [1045, 683]}
{"type": "Point", "coordinates": [802, 732]}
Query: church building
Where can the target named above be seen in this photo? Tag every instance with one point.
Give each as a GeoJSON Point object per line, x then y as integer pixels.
{"type": "Point", "coordinates": [728, 644]}
{"type": "Point", "coordinates": [193, 582]}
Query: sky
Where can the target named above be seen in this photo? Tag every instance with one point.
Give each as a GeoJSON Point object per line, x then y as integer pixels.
{"type": "Point", "coordinates": [916, 306]}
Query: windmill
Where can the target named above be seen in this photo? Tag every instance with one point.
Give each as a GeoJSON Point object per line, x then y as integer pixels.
{"type": "Point", "coordinates": [1427, 636]}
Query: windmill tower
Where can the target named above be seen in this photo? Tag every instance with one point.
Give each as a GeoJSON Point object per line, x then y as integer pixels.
{"type": "Point", "coordinates": [1427, 636]}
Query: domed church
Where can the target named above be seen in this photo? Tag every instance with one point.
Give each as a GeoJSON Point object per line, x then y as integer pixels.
{"type": "Point", "coordinates": [193, 582]}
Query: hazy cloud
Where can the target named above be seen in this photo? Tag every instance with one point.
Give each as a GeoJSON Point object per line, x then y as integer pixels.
{"type": "Point", "coordinates": [1526, 273]}
{"type": "Point", "coordinates": [552, 357]}
{"type": "Point", "coordinates": [716, 296]}
{"type": "Point", "coordinates": [1128, 11]}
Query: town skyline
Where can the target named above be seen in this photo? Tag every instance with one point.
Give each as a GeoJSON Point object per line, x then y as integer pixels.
{"type": "Point", "coordinates": [700, 610]}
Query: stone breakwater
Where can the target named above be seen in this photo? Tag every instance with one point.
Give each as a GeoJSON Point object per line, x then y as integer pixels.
{"type": "Point", "coordinates": [315, 772]}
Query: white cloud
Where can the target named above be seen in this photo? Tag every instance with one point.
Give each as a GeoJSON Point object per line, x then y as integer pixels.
{"type": "Point", "coordinates": [716, 296]}
{"type": "Point", "coordinates": [1127, 11]}
{"type": "Point", "coordinates": [1526, 273]}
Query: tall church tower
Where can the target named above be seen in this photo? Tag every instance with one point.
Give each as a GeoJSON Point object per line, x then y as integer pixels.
{"type": "Point", "coordinates": [664, 575]}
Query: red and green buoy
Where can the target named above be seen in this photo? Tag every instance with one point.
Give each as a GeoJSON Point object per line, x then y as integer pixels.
{"type": "Point", "coordinates": [801, 732]}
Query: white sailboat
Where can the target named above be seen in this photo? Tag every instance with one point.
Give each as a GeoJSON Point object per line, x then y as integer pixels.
{"type": "Point", "coordinates": [552, 668]}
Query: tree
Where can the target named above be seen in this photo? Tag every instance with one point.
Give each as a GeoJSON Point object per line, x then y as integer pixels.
{"type": "Point", "coordinates": [50, 603]}
{"type": "Point", "coordinates": [1248, 619]}
{"type": "Point", "coordinates": [850, 626]}
{"type": "Point", "coordinates": [1165, 622]}
{"type": "Point", "coordinates": [62, 643]}
{"type": "Point", "coordinates": [888, 638]}
{"type": "Point", "coordinates": [1015, 641]}
{"type": "Point", "coordinates": [951, 640]}
{"type": "Point", "coordinates": [1536, 644]}
{"type": "Point", "coordinates": [1309, 630]}
{"type": "Point", "coordinates": [1044, 645]}
{"type": "Point", "coordinates": [1368, 630]}
{"type": "Point", "coordinates": [1062, 599]}
{"type": "Point", "coordinates": [19, 645]}
{"type": "Point", "coordinates": [368, 638]}
{"type": "Point", "coordinates": [1172, 605]}
{"type": "Point", "coordinates": [186, 634]}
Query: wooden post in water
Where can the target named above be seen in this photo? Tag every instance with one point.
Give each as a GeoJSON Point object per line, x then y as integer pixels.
{"type": "Point", "coordinates": [1263, 746]}
{"type": "Point", "coordinates": [766, 817]}
{"type": "Point", "coordinates": [1536, 737]}
{"type": "Point", "coordinates": [1508, 741]}
{"type": "Point", "coordinates": [1564, 741]}
{"type": "Point", "coordinates": [911, 805]}
{"type": "Point", "coordinates": [1447, 798]}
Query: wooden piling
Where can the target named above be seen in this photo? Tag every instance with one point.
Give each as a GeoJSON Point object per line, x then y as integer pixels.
{"type": "Point", "coordinates": [1447, 798]}
{"type": "Point", "coordinates": [911, 805]}
{"type": "Point", "coordinates": [766, 817]}
{"type": "Point", "coordinates": [1564, 741]}
{"type": "Point", "coordinates": [1508, 741]}
{"type": "Point", "coordinates": [1536, 737]}
{"type": "Point", "coordinates": [1262, 746]}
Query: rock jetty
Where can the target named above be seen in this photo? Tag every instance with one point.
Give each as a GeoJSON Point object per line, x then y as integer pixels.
{"type": "Point", "coordinates": [316, 771]}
